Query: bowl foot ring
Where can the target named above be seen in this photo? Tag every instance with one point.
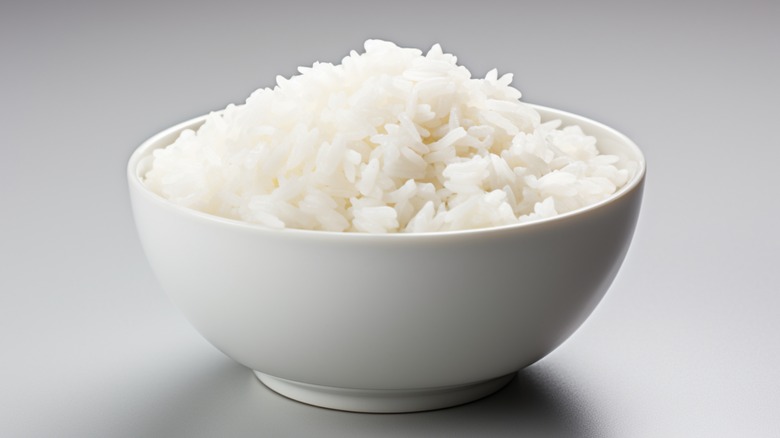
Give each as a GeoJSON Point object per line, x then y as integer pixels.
{"type": "Point", "coordinates": [383, 401]}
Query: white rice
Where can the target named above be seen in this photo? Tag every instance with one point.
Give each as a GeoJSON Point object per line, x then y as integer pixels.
{"type": "Point", "coordinates": [389, 141]}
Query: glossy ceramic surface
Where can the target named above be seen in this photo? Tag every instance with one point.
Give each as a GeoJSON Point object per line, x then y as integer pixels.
{"type": "Point", "coordinates": [387, 323]}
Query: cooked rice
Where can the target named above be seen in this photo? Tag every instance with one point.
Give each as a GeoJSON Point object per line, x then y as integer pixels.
{"type": "Point", "coordinates": [388, 141]}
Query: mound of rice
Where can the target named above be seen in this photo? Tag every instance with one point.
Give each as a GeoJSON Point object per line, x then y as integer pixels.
{"type": "Point", "coordinates": [389, 141]}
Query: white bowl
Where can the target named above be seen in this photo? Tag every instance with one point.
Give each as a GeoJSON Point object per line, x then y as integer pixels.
{"type": "Point", "coordinates": [387, 323]}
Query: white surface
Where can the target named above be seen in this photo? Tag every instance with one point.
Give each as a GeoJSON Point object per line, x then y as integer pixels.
{"type": "Point", "coordinates": [403, 311]}
{"type": "Point", "coordinates": [684, 343]}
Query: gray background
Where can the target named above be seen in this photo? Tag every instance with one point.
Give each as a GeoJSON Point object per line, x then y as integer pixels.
{"type": "Point", "coordinates": [684, 344]}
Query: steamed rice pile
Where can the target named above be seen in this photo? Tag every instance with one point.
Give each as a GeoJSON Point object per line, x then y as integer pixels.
{"type": "Point", "coordinates": [389, 141]}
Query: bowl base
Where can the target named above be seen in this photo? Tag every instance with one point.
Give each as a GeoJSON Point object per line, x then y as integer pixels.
{"type": "Point", "coordinates": [383, 401]}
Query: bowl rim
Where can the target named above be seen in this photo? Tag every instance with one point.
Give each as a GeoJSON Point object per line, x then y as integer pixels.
{"type": "Point", "coordinates": [635, 183]}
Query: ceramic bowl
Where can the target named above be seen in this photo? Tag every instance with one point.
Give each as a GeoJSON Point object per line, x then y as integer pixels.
{"type": "Point", "coordinates": [387, 323]}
